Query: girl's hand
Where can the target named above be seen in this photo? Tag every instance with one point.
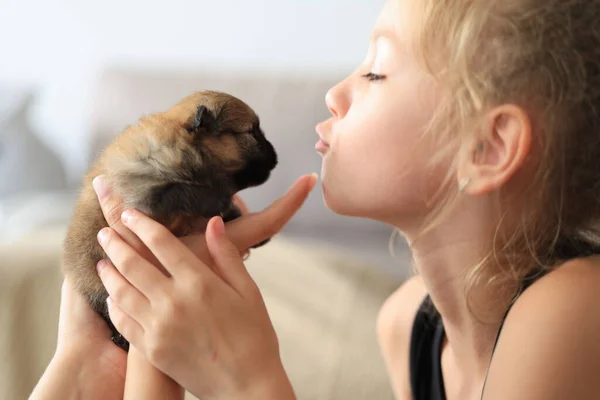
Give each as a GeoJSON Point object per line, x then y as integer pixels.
{"type": "Point", "coordinates": [86, 363]}
{"type": "Point", "coordinates": [244, 232]}
{"type": "Point", "coordinates": [203, 321]}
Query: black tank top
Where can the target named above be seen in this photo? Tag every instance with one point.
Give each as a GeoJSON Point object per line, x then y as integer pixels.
{"type": "Point", "coordinates": [428, 333]}
{"type": "Point", "coordinates": [427, 336]}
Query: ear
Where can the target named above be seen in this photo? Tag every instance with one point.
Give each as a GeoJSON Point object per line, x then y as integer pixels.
{"type": "Point", "coordinates": [202, 119]}
{"type": "Point", "coordinates": [499, 150]}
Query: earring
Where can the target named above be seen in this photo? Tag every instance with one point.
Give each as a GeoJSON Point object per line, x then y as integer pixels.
{"type": "Point", "coordinates": [463, 184]}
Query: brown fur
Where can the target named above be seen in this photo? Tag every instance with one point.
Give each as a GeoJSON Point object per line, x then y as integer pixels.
{"type": "Point", "coordinates": [171, 169]}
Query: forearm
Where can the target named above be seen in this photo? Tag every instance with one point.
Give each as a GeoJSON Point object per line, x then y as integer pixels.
{"type": "Point", "coordinates": [53, 385]}
{"type": "Point", "coordinates": [144, 381]}
{"type": "Point", "coordinates": [69, 378]}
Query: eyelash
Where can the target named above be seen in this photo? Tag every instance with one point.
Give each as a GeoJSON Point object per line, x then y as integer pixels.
{"type": "Point", "coordinates": [373, 77]}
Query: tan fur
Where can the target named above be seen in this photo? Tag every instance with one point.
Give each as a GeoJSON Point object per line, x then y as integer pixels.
{"type": "Point", "coordinates": [226, 149]}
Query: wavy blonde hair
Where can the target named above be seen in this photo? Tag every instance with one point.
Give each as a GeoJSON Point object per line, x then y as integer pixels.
{"type": "Point", "coordinates": [544, 56]}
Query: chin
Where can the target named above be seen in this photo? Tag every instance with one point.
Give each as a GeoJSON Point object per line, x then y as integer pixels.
{"type": "Point", "coordinates": [338, 203]}
{"type": "Point", "coordinates": [329, 201]}
{"type": "Point", "coordinates": [367, 206]}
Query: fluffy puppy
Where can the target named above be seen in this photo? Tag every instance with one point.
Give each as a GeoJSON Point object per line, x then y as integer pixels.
{"type": "Point", "coordinates": [181, 167]}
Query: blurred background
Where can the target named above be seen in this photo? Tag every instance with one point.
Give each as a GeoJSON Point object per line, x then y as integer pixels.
{"type": "Point", "coordinates": [74, 73]}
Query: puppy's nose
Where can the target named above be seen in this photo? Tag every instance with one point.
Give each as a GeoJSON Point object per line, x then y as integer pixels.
{"type": "Point", "coordinates": [267, 149]}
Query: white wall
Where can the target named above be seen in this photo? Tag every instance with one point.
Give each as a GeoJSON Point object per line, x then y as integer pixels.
{"type": "Point", "coordinates": [60, 45]}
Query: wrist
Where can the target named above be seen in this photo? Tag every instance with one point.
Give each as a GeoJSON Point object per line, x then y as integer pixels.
{"type": "Point", "coordinates": [52, 384]}
{"type": "Point", "coordinates": [74, 365]}
{"type": "Point", "coordinates": [89, 356]}
{"type": "Point", "coordinates": [84, 369]}
{"type": "Point", "coordinates": [273, 386]}
{"type": "Point", "coordinates": [68, 358]}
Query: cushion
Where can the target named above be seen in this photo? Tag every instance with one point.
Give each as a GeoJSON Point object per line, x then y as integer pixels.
{"type": "Point", "coordinates": [26, 163]}
{"type": "Point", "coordinates": [323, 306]}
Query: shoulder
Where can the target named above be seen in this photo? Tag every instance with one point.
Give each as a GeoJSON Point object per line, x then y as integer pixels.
{"type": "Point", "coordinates": [551, 333]}
{"type": "Point", "coordinates": [394, 325]}
{"type": "Point", "coordinates": [397, 313]}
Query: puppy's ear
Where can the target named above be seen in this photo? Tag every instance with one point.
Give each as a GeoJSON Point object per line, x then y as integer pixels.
{"type": "Point", "coordinates": [203, 119]}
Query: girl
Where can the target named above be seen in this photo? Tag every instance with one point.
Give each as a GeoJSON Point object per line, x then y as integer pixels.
{"type": "Point", "coordinates": [473, 128]}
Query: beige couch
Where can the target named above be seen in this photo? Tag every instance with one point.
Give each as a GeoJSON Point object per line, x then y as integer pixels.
{"type": "Point", "coordinates": [323, 306]}
{"type": "Point", "coordinates": [323, 300]}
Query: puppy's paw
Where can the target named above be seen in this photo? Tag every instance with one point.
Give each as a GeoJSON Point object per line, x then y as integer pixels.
{"type": "Point", "coordinates": [260, 244]}
{"type": "Point", "coordinates": [120, 341]}
{"type": "Point", "coordinates": [232, 213]}
{"type": "Point", "coordinates": [116, 337]}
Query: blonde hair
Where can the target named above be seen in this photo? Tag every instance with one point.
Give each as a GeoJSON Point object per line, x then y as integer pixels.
{"type": "Point", "coordinates": [544, 56]}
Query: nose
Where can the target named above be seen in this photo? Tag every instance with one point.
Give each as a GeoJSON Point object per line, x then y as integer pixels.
{"type": "Point", "coordinates": [338, 99]}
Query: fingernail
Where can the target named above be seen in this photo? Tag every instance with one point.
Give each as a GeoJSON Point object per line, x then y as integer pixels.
{"type": "Point", "coordinates": [100, 266]}
{"type": "Point", "coordinates": [103, 235]}
{"type": "Point", "coordinates": [108, 302]}
{"type": "Point", "coordinates": [218, 226]}
{"type": "Point", "coordinates": [100, 186]}
{"type": "Point", "coordinates": [127, 216]}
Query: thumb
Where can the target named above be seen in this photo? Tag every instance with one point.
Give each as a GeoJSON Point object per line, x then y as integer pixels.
{"type": "Point", "coordinates": [227, 258]}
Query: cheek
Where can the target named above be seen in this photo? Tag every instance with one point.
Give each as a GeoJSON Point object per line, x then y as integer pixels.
{"type": "Point", "coordinates": [378, 164]}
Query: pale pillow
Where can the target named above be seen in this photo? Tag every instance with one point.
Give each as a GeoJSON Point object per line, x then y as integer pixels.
{"type": "Point", "coordinates": [26, 163]}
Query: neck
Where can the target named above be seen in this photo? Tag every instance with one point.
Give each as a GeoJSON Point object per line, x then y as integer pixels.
{"type": "Point", "coordinates": [444, 257]}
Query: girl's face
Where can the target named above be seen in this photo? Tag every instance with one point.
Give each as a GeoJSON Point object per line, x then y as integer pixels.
{"type": "Point", "coordinates": [375, 158]}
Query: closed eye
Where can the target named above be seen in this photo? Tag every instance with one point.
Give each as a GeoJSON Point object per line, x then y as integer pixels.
{"type": "Point", "coordinates": [373, 77]}
{"type": "Point", "coordinates": [255, 129]}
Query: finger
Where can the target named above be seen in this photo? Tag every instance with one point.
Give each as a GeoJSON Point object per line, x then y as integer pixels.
{"type": "Point", "coordinates": [252, 229]}
{"type": "Point", "coordinates": [173, 255]}
{"type": "Point", "coordinates": [196, 244]}
{"type": "Point", "coordinates": [132, 266]}
{"type": "Point", "coordinates": [112, 207]}
{"type": "Point", "coordinates": [128, 327]}
{"type": "Point", "coordinates": [128, 298]}
{"type": "Point", "coordinates": [237, 200]}
{"type": "Point", "coordinates": [227, 258]}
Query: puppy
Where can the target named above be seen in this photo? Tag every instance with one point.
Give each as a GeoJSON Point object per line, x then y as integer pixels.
{"type": "Point", "coordinates": [180, 167]}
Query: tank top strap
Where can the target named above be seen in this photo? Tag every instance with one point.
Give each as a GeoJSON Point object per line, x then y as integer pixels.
{"type": "Point", "coordinates": [529, 279]}
{"type": "Point", "coordinates": [427, 336]}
